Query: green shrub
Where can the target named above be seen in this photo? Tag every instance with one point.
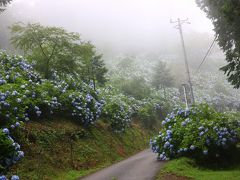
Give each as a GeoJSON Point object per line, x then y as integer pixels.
{"type": "Point", "coordinates": [82, 106]}
{"type": "Point", "coordinates": [9, 151]}
{"type": "Point", "coordinates": [136, 87]}
{"type": "Point", "coordinates": [148, 113]}
{"type": "Point", "coordinates": [199, 132]}
{"type": "Point", "coordinates": [118, 112]}
{"type": "Point", "coordinates": [6, 149]}
{"type": "Point", "coordinates": [25, 96]}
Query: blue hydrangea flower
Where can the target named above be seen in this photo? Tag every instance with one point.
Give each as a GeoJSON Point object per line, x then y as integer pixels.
{"type": "Point", "coordinates": [15, 177]}
{"type": "Point", "coordinates": [17, 124]}
{"type": "Point", "coordinates": [205, 152]}
{"type": "Point", "coordinates": [192, 147]}
{"type": "Point", "coordinates": [5, 131]}
{"type": "Point", "coordinates": [184, 123]}
{"type": "Point", "coordinates": [201, 133]}
{"type": "Point", "coordinates": [3, 177]}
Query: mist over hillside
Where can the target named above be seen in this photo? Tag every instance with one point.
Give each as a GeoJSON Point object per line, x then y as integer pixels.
{"type": "Point", "coordinates": [121, 27]}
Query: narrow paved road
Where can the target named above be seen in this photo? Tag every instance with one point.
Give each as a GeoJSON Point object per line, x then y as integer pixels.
{"type": "Point", "coordinates": [142, 166]}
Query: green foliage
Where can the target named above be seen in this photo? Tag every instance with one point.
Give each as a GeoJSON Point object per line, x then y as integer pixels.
{"type": "Point", "coordinates": [7, 150]}
{"type": "Point", "coordinates": [135, 87]}
{"type": "Point", "coordinates": [167, 98]}
{"type": "Point", "coordinates": [213, 89]}
{"type": "Point", "coordinates": [120, 109]}
{"type": "Point", "coordinates": [49, 48]}
{"type": "Point", "coordinates": [83, 107]}
{"type": "Point", "coordinates": [156, 107]}
{"type": "Point", "coordinates": [92, 67]}
{"type": "Point", "coordinates": [149, 114]}
{"type": "Point", "coordinates": [53, 49]}
{"type": "Point", "coordinates": [161, 77]}
{"type": "Point", "coordinates": [125, 67]}
{"type": "Point", "coordinates": [3, 4]}
{"type": "Point", "coordinates": [225, 17]}
{"type": "Point", "coordinates": [15, 76]}
{"type": "Point", "coordinates": [53, 155]}
{"type": "Point", "coordinates": [26, 96]}
{"type": "Point", "coordinates": [188, 169]}
{"type": "Point", "coordinates": [117, 110]}
{"type": "Point", "coordinates": [200, 133]}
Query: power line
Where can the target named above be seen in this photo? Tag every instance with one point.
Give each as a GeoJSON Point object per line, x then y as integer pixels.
{"type": "Point", "coordinates": [206, 55]}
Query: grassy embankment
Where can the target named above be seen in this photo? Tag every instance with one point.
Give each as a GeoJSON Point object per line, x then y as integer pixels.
{"type": "Point", "coordinates": [63, 150]}
{"type": "Point", "coordinates": [185, 168]}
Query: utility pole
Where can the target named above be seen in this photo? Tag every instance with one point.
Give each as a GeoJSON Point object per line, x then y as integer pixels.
{"type": "Point", "coordinates": [185, 95]}
{"type": "Point", "coordinates": [179, 26]}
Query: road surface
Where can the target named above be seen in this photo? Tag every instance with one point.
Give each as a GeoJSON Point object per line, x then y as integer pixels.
{"type": "Point", "coordinates": [142, 166]}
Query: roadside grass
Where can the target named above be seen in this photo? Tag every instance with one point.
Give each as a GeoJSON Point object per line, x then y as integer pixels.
{"type": "Point", "coordinates": [74, 174]}
{"type": "Point", "coordinates": [62, 150]}
{"type": "Point", "coordinates": [186, 168]}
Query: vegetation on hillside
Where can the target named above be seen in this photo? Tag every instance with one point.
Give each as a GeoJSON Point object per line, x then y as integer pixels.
{"type": "Point", "coordinates": [186, 168]}
{"type": "Point", "coordinates": [200, 143]}
{"type": "Point", "coordinates": [69, 112]}
{"type": "Point", "coordinates": [26, 96]}
{"type": "Point", "coordinates": [200, 133]}
{"type": "Point", "coordinates": [61, 149]}
{"type": "Point", "coordinates": [3, 4]}
{"type": "Point", "coordinates": [225, 15]}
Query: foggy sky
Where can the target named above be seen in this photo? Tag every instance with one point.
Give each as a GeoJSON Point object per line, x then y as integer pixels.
{"type": "Point", "coordinates": [117, 25]}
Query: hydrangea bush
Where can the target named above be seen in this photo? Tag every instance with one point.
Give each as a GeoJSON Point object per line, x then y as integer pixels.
{"type": "Point", "coordinates": [10, 153]}
{"type": "Point", "coordinates": [149, 113]}
{"type": "Point", "coordinates": [25, 96]}
{"type": "Point", "coordinates": [120, 109]}
{"type": "Point", "coordinates": [83, 107]}
{"type": "Point", "coordinates": [117, 110]}
{"type": "Point", "coordinates": [214, 89]}
{"type": "Point", "coordinates": [198, 132]}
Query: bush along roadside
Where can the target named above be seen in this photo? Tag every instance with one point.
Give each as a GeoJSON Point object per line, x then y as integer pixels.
{"type": "Point", "coordinates": [25, 96]}
{"type": "Point", "coordinates": [119, 110]}
{"type": "Point", "coordinates": [199, 132]}
{"type": "Point", "coordinates": [10, 153]}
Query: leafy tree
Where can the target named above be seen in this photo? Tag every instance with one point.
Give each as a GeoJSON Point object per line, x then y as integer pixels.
{"type": "Point", "coordinates": [54, 49]}
{"type": "Point", "coordinates": [92, 67]}
{"type": "Point", "coordinates": [50, 48]}
{"type": "Point", "coordinates": [225, 16]}
{"type": "Point", "coordinates": [136, 87]}
{"type": "Point", "coordinates": [126, 66]}
{"type": "Point", "coordinates": [3, 4]}
{"type": "Point", "coordinates": [161, 76]}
